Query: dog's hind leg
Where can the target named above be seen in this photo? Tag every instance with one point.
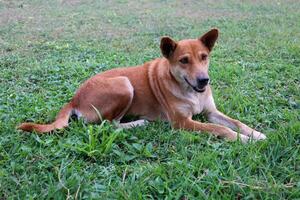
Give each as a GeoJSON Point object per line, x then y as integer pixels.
{"type": "Point", "coordinates": [104, 99]}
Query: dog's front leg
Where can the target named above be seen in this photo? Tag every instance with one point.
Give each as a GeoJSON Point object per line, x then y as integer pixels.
{"type": "Point", "coordinates": [219, 118]}
{"type": "Point", "coordinates": [217, 130]}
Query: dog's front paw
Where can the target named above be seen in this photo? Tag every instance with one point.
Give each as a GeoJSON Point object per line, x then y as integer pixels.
{"type": "Point", "coordinates": [245, 139]}
{"type": "Point", "coordinates": [258, 135]}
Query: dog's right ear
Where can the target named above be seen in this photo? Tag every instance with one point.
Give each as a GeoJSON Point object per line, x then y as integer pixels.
{"type": "Point", "coordinates": [167, 46]}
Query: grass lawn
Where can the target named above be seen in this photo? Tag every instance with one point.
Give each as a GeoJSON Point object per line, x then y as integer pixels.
{"type": "Point", "coordinates": [47, 48]}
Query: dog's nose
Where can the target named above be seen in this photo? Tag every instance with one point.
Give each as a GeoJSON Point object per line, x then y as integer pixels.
{"type": "Point", "coordinates": [202, 82]}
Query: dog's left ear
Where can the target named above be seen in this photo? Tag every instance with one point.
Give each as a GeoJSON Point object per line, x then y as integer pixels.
{"type": "Point", "coordinates": [167, 46]}
{"type": "Point", "coordinates": [210, 38]}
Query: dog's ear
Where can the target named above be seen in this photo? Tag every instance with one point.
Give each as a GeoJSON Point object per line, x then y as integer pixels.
{"type": "Point", "coordinates": [167, 46]}
{"type": "Point", "coordinates": [210, 38]}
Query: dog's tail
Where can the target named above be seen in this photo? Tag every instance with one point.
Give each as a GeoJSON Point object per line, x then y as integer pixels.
{"type": "Point", "coordinates": [60, 122]}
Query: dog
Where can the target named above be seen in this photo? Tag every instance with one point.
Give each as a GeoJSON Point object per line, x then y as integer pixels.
{"type": "Point", "coordinates": [172, 88]}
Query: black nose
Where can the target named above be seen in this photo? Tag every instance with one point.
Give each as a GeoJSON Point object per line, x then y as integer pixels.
{"type": "Point", "coordinates": [202, 82]}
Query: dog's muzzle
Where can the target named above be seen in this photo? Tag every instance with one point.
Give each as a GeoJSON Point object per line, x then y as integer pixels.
{"type": "Point", "coordinates": [201, 83]}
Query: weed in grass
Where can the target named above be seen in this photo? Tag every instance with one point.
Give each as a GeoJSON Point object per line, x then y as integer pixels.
{"type": "Point", "coordinates": [98, 141]}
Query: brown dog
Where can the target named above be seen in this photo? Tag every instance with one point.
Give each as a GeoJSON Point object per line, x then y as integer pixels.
{"type": "Point", "coordinates": [172, 88]}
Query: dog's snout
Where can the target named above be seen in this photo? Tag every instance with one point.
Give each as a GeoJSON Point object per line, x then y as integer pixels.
{"type": "Point", "coordinates": [202, 82]}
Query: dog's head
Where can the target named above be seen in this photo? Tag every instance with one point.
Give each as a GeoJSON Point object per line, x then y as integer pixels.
{"type": "Point", "coordinates": [189, 59]}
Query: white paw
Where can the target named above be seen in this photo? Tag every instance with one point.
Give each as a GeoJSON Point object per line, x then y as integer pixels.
{"type": "Point", "coordinates": [258, 135]}
{"type": "Point", "coordinates": [132, 124]}
{"type": "Point", "coordinates": [141, 122]}
{"type": "Point", "coordinates": [244, 138]}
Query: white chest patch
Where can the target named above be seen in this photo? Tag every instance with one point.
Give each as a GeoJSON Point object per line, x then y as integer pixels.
{"type": "Point", "coordinates": [197, 103]}
{"type": "Point", "coordinates": [192, 103]}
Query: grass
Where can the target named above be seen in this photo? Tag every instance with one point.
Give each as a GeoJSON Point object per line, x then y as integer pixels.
{"type": "Point", "coordinates": [47, 48]}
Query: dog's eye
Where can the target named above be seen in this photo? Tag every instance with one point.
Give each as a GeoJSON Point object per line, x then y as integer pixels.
{"type": "Point", "coordinates": [184, 60]}
{"type": "Point", "coordinates": [203, 56]}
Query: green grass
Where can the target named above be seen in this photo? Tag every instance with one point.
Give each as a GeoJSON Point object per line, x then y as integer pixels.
{"type": "Point", "coordinates": [47, 48]}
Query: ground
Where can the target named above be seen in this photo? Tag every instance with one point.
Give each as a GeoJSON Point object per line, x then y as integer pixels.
{"type": "Point", "coordinates": [47, 48]}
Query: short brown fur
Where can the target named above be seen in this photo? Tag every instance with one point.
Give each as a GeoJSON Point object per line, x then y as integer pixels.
{"type": "Point", "coordinates": [172, 88]}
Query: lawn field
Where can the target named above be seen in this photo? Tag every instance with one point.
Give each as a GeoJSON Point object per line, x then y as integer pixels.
{"type": "Point", "coordinates": [48, 48]}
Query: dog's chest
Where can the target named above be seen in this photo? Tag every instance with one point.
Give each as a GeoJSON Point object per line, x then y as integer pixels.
{"type": "Point", "coordinates": [197, 104]}
{"type": "Point", "coordinates": [193, 104]}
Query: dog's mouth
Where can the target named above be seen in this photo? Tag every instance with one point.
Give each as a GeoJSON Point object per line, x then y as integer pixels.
{"type": "Point", "coordinates": [195, 87]}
